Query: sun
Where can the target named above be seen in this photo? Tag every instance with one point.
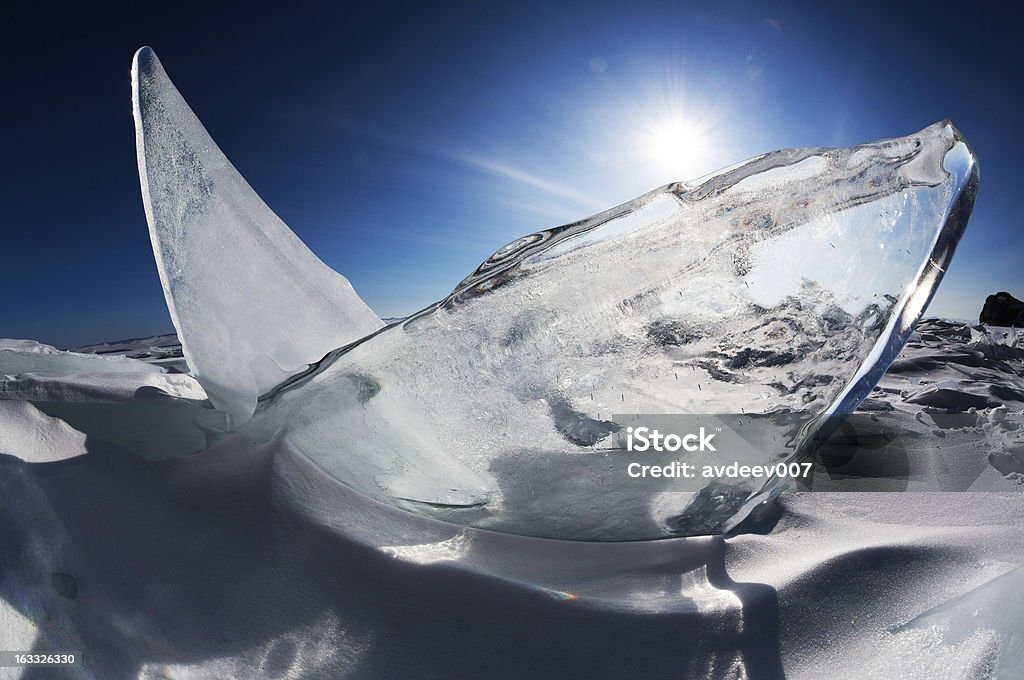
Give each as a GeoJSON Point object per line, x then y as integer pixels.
{"type": "Point", "coordinates": [679, 148]}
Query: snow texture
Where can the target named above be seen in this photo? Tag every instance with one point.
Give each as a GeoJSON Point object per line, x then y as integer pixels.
{"type": "Point", "coordinates": [248, 562]}
{"type": "Point", "coordinates": [34, 436]}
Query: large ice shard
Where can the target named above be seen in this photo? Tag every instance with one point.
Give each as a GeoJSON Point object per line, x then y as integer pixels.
{"type": "Point", "coordinates": [780, 289]}
{"type": "Point", "coordinates": [249, 300]}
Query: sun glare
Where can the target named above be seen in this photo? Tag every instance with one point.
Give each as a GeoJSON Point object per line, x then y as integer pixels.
{"type": "Point", "coordinates": [680, 149]}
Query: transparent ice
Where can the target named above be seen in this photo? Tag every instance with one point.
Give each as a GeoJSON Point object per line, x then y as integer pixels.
{"type": "Point", "coordinates": [780, 288]}
{"type": "Point", "coordinates": [250, 302]}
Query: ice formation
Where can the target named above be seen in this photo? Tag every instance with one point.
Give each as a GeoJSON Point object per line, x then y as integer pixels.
{"type": "Point", "coordinates": [250, 302]}
{"type": "Point", "coordinates": [19, 357]}
{"type": "Point", "coordinates": [780, 288]}
{"type": "Point", "coordinates": [135, 404]}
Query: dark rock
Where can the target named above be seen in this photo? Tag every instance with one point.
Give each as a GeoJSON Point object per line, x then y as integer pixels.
{"type": "Point", "coordinates": [1002, 309]}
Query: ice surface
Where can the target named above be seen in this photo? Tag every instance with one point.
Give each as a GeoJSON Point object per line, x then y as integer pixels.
{"type": "Point", "coordinates": [19, 357]}
{"type": "Point", "coordinates": [250, 302]}
{"type": "Point", "coordinates": [780, 288]}
{"type": "Point", "coordinates": [132, 403]}
{"type": "Point", "coordinates": [162, 350]}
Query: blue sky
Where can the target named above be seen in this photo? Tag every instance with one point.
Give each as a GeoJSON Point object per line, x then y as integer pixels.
{"type": "Point", "coordinates": [405, 143]}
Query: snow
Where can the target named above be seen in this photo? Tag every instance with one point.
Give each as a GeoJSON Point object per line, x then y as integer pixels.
{"type": "Point", "coordinates": [162, 350]}
{"type": "Point", "coordinates": [124, 401]}
{"type": "Point", "coordinates": [35, 437]}
{"type": "Point", "coordinates": [29, 357]}
{"type": "Point", "coordinates": [99, 386]}
{"type": "Point", "coordinates": [250, 562]}
{"type": "Point", "coordinates": [982, 613]}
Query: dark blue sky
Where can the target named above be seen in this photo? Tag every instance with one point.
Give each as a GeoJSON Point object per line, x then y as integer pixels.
{"type": "Point", "coordinates": [405, 143]}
